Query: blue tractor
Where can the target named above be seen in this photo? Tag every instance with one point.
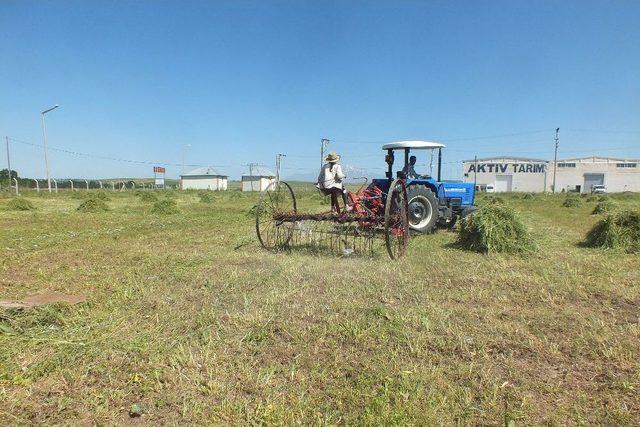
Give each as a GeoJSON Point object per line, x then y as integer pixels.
{"type": "Point", "coordinates": [432, 202]}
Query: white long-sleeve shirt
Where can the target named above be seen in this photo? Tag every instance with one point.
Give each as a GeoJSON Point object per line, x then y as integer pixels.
{"type": "Point", "coordinates": [331, 176]}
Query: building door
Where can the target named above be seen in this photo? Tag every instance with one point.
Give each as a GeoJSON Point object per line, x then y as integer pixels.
{"type": "Point", "coordinates": [503, 183]}
{"type": "Point", "coordinates": [591, 179]}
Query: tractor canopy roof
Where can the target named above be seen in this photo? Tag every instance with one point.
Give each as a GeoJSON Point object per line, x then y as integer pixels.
{"type": "Point", "coordinates": [414, 145]}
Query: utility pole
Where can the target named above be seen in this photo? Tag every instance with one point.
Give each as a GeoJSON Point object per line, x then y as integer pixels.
{"type": "Point", "coordinates": [251, 165]}
{"type": "Point", "coordinates": [555, 161]}
{"type": "Point", "coordinates": [44, 134]}
{"type": "Point", "coordinates": [279, 157]}
{"type": "Point", "coordinates": [8, 161]}
{"type": "Point", "coordinates": [475, 172]}
{"type": "Point", "coordinates": [323, 145]}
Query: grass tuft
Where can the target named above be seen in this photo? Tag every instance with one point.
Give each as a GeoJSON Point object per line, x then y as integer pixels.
{"type": "Point", "coordinates": [619, 230]}
{"type": "Point", "coordinates": [494, 228]}
{"type": "Point", "coordinates": [20, 204]}
{"type": "Point", "coordinates": [165, 207]}
{"type": "Point", "coordinates": [93, 205]}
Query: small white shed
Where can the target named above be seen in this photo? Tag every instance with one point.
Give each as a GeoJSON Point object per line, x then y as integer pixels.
{"type": "Point", "coordinates": [258, 178]}
{"type": "Point", "coordinates": [206, 178]}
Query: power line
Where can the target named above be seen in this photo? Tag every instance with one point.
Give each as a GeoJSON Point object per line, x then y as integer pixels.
{"type": "Point", "coordinates": [116, 159]}
{"type": "Point", "coordinates": [602, 131]}
{"type": "Point", "coordinates": [505, 135]}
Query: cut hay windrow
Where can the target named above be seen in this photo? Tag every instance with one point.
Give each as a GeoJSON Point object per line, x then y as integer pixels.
{"type": "Point", "coordinates": [603, 207]}
{"type": "Point", "coordinates": [618, 230]}
{"type": "Point", "coordinates": [101, 195]}
{"type": "Point", "coordinates": [147, 197]}
{"type": "Point", "coordinates": [20, 204]}
{"type": "Point", "coordinates": [165, 207]}
{"type": "Point", "coordinates": [491, 199]}
{"type": "Point", "coordinates": [206, 197]}
{"type": "Point", "coordinates": [572, 202]}
{"type": "Point", "coordinates": [495, 228]}
{"type": "Point", "coordinates": [93, 205]}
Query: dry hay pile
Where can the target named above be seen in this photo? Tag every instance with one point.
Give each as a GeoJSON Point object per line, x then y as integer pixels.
{"type": "Point", "coordinates": [206, 197]}
{"type": "Point", "coordinates": [93, 205]}
{"type": "Point", "coordinates": [605, 206]}
{"type": "Point", "coordinates": [572, 202]}
{"type": "Point", "coordinates": [618, 230]}
{"type": "Point", "coordinates": [20, 204]}
{"type": "Point", "coordinates": [147, 197]}
{"type": "Point", "coordinates": [494, 228]}
{"type": "Point", "coordinates": [165, 207]}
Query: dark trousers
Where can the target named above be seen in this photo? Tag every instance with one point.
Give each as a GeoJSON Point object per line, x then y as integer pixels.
{"type": "Point", "coordinates": [334, 192]}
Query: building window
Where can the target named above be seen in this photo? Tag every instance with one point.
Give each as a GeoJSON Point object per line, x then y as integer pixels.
{"type": "Point", "coordinates": [626, 165]}
{"type": "Point", "coordinates": [566, 165]}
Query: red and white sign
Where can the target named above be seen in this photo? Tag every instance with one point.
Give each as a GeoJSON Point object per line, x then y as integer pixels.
{"type": "Point", "coordinates": [158, 169]}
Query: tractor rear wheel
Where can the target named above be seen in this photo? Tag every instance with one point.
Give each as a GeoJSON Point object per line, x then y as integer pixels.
{"type": "Point", "coordinates": [423, 209]}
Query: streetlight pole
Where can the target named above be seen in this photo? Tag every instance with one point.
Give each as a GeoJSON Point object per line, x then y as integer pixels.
{"type": "Point", "coordinates": [555, 161]}
{"type": "Point", "coordinates": [8, 161]}
{"type": "Point", "coordinates": [44, 134]}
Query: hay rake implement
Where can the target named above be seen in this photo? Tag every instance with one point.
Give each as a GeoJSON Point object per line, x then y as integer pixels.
{"type": "Point", "coordinates": [374, 214]}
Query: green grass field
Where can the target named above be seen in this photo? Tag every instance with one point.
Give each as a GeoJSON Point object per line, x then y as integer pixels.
{"type": "Point", "coordinates": [188, 319]}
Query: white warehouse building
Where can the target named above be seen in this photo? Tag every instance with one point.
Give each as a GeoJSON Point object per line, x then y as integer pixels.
{"type": "Point", "coordinates": [506, 173]}
{"type": "Point", "coordinates": [206, 178]}
{"type": "Point", "coordinates": [257, 179]}
{"type": "Point", "coordinates": [581, 174]}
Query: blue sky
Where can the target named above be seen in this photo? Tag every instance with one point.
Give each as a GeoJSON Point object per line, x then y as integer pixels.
{"type": "Point", "coordinates": [240, 81]}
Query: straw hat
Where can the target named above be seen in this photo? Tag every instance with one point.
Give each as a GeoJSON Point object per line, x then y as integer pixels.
{"type": "Point", "coordinates": [332, 157]}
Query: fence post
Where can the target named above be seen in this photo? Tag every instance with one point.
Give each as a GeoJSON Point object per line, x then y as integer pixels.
{"type": "Point", "coordinates": [87, 182]}
{"type": "Point", "coordinates": [71, 181]}
{"type": "Point", "coordinates": [100, 183]}
{"type": "Point", "coordinates": [55, 183]}
{"type": "Point", "coordinates": [16, 181]}
{"type": "Point", "coordinates": [37, 186]}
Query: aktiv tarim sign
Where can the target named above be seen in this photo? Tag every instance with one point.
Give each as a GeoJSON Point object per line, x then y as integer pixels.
{"type": "Point", "coordinates": [507, 168]}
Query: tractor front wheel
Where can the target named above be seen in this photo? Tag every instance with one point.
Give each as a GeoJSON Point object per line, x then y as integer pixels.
{"type": "Point", "coordinates": [423, 209]}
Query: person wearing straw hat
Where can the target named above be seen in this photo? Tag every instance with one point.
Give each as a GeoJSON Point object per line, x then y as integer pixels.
{"type": "Point", "coordinates": [330, 181]}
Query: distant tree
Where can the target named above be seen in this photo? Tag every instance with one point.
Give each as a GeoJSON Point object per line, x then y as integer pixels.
{"type": "Point", "coordinates": [4, 174]}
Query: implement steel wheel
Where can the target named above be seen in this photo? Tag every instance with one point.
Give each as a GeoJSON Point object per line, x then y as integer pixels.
{"type": "Point", "coordinates": [278, 199]}
{"type": "Point", "coordinates": [396, 219]}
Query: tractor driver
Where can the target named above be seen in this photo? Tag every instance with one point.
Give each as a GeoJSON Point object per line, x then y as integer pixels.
{"type": "Point", "coordinates": [409, 170]}
{"type": "Point", "coordinates": [330, 182]}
